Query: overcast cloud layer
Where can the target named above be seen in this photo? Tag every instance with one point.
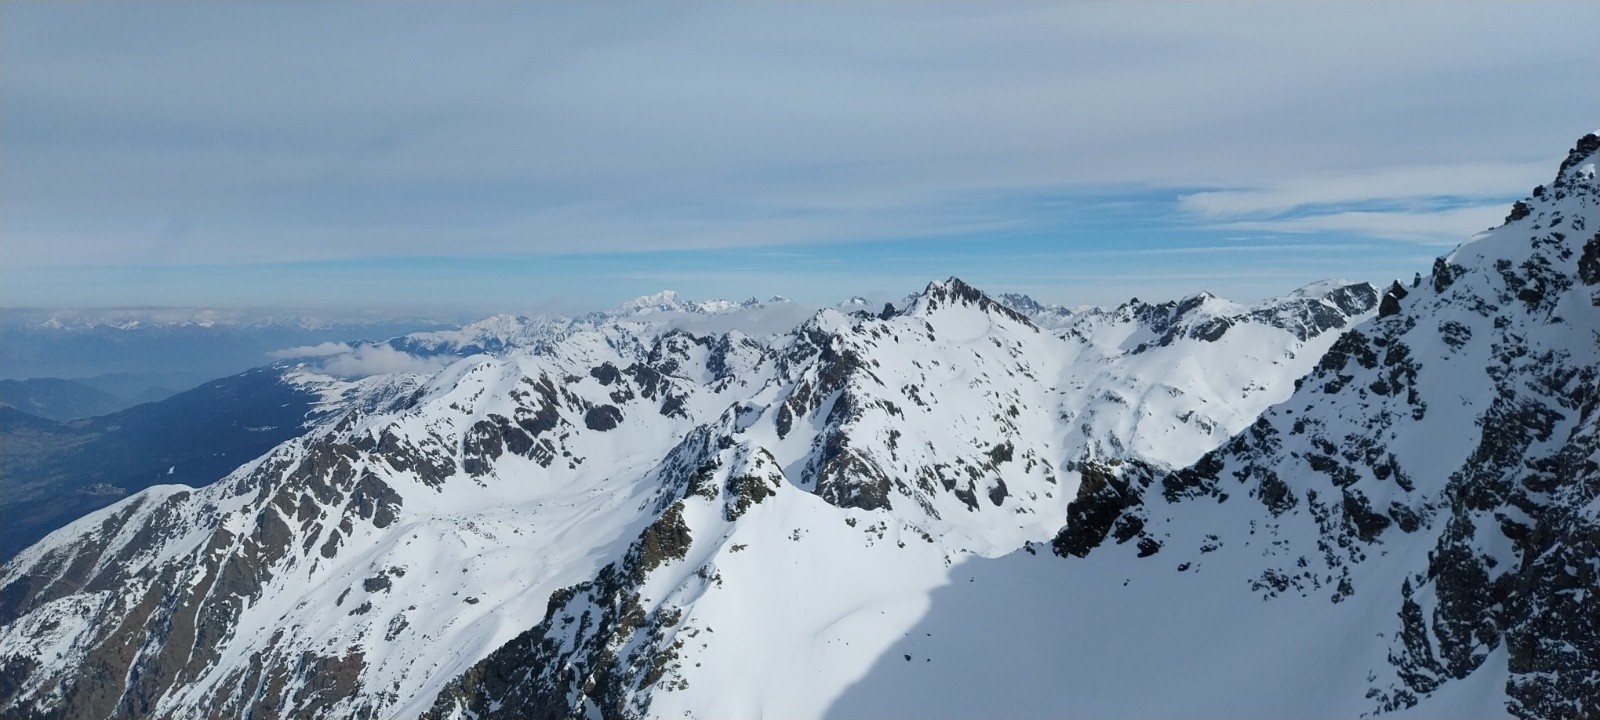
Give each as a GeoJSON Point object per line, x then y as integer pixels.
{"type": "Point", "coordinates": [138, 137]}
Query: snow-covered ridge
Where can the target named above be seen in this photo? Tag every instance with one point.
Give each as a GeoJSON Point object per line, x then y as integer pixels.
{"type": "Point", "coordinates": [670, 301]}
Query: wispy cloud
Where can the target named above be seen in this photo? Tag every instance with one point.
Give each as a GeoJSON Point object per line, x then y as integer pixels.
{"type": "Point", "coordinates": [150, 133]}
{"type": "Point", "coordinates": [1435, 227]}
{"type": "Point", "coordinates": [1275, 248]}
{"type": "Point", "coordinates": [378, 359]}
{"type": "Point", "coordinates": [311, 351]}
{"type": "Point", "coordinates": [1387, 185]}
{"type": "Point", "coordinates": [346, 360]}
{"type": "Point", "coordinates": [1437, 204]}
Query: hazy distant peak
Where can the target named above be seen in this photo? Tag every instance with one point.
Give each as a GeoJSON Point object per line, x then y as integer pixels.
{"type": "Point", "coordinates": [671, 301]}
{"type": "Point", "coordinates": [664, 300]}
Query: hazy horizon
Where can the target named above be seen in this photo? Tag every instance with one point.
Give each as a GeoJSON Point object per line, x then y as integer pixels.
{"type": "Point", "coordinates": [223, 315]}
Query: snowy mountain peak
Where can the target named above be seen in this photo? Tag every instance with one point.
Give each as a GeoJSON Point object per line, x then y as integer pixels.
{"type": "Point", "coordinates": [955, 292]}
{"type": "Point", "coordinates": [669, 301]}
{"type": "Point", "coordinates": [503, 325]}
{"type": "Point", "coordinates": [666, 300]}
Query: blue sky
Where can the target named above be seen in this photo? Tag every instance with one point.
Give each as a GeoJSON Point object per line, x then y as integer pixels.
{"type": "Point", "coordinates": [508, 157]}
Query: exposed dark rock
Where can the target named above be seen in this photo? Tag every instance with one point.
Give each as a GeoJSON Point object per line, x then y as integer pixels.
{"type": "Point", "coordinates": [1197, 479]}
{"type": "Point", "coordinates": [602, 418]}
{"type": "Point", "coordinates": [1519, 210]}
{"type": "Point", "coordinates": [784, 421]}
{"type": "Point", "coordinates": [1390, 305]}
{"type": "Point", "coordinates": [431, 466]}
{"type": "Point", "coordinates": [1444, 274]}
{"type": "Point", "coordinates": [1455, 334]}
{"type": "Point", "coordinates": [744, 491]}
{"type": "Point", "coordinates": [1589, 261]}
{"type": "Point", "coordinates": [1275, 494]}
{"type": "Point", "coordinates": [648, 380]}
{"type": "Point", "coordinates": [373, 499]}
{"type": "Point", "coordinates": [1583, 150]}
{"type": "Point", "coordinates": [1127, 528]}
{"type": "Point", "coordinates": [672, 406]}
{"type": "Point", "coordinates": [665, 540]}
{"type": "Point", "coordinates": [967, 495]}
{"type": "Point", "coordinates": [1211, 330]}
{"type": "Point", "coordinates": [1105, 493]}
{"type": "Point", "coordinates": [846, 478]}
{"type": "Point", "coordinates": [1363, 520]}
{"type": "Point", "coordinates": [998, 493]}
{"type": "Point", "coordinates": [606, 373]}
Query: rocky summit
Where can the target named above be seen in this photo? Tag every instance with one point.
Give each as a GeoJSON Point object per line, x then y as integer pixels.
{"type": "Point", "coordinates": [1348, 501]}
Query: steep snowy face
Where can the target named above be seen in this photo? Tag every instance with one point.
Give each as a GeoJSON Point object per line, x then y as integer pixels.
{"type": "Point", "coordinates": [1436, 475]}
{"type": "Point", "coordinates": [578, 507]}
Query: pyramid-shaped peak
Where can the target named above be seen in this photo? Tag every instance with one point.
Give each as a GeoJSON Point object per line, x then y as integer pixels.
{"type": "Point", "coordinates": [954, 288]}
{"type": "Point", "coordinates": [953, 292]}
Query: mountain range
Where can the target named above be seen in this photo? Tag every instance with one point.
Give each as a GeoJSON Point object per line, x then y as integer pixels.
{"type": "Point", "coordinates": [1348, 501]}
